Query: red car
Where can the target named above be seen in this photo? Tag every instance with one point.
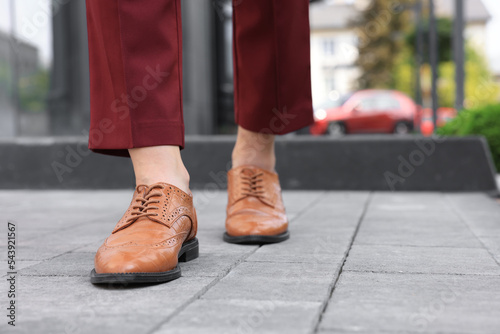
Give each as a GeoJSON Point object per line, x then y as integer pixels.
{"type": "Point", "coordinates": [367, 111]}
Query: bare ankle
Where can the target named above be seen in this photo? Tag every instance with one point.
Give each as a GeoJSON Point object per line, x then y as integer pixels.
{"type": "Point", "coordinates": [160, 164]}
{"type": "Point", "coordinates": [255, 149]}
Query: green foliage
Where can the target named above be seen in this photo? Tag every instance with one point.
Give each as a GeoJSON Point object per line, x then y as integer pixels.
{"type": "Point", "coordinates": [444, 29]}
{"type": "Point", "coordinates": [483, 121]}
{"type": "Point", "coordinates": [381, 29]}
{"type": "Point", "coordinates": [33, 90]}
{"type": "Point", "coordinates": [5, 77]}
{"type": "Point", "coordinates": [404, 73]}
{"type": "Point", "coordinates": [480, 88]}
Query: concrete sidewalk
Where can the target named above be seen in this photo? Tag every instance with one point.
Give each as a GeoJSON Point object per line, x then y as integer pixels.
{"type": "Point", "coordinates": [357, 262]}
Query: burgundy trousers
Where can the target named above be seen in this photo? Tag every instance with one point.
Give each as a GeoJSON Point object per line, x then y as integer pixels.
{"type": "Point", "coordinates": [135, 50]}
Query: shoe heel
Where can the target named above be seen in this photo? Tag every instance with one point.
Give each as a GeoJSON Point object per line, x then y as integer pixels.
{"type": "Point", "coordinates": [191, 252]}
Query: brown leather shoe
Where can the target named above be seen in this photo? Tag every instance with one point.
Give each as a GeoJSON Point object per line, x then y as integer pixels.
{"type": "Point", "coordinates": [255, 210]}
{"type": "Point", "coordinates": [157, 231]}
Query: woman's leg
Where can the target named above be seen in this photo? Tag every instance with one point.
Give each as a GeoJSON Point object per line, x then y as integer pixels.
{"type": "Point", "coordinates": [272, 97]}
{"type": "Point", "coordinates": [272, 75]}
{"type": "Point", "coordinates": [136, 86]}
{"type": "Point", "coordinates": [159, 164]}
{"type": "Point", "coordinates": [272, 65]}
{"type": "Point", "coordinates": [136, 74]}
{"type": "Point", "coordinates": [136, 101]}
{"type": "Point", "coordinates": [254, 148]}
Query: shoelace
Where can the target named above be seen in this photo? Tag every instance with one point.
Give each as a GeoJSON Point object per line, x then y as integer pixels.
{"type": "Point", "coordinates": [251, 186]}
{"type": "Point", "coordinates": [141, 210]}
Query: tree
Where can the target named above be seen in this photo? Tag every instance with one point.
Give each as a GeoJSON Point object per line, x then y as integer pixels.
{"type": "Point", "coordinates": [381, 30]}
{"type": "Point", "coordinates": [444, 29]}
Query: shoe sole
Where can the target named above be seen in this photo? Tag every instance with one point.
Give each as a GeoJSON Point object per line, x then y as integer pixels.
{"type": "Point", "coordinates": [256, 239]}
{"type": "Point", "coordinates": [189, 251]}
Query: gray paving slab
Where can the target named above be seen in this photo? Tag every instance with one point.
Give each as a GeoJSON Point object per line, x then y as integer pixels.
{"type": "Point", "coordinates": [475, 202]}
{"type": "Point", "coordinates": [429, 260]}
{"type": "Point", "coordinates": [415, 263]}
{"type": "Point", "coordinates": [493, 246]}
{"type": "Point", "coordinates": [81, 323]}
{"type": "Point", "coordinates": [61, 302]}
{"type": "Point", "coordinates": [68, 264]}
{"type": "Point", "coordinates": [377, 302]}
{"type": "Point", "coordinates": [320, 250]}
{"type": "Point", "coordinates": [211, 242]}
{"type": "Point", "coordinates": [482, 223]}
{"type": "Point", "coordinates": [214, 264]}
{"type": "Point", "coordinates": [444, 215]}
{"type": "Point", "coordinates": [482, 216]}
{"type": "Point", "coordinates": [412, 202]}
{"type": "Point", "coordinates": [90, 247]}
{"type": "Point", "coordinates": [49, 245]}
{"type": "Point", "coordinates": [371, 331]}
{"type": "Point", "coordinates": [407, 231]}
{"type": "Point", "coordinates": [244, 316]}
{"type": "Point", "coordinates": [426, 220]}
{"type": "Point", "coordinates": [276, 281]}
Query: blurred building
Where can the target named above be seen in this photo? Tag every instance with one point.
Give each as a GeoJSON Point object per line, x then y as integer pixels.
{"type": "Point", "coordinates": [207, 59]}
{"type": "Point", "coordinates": [18, 59]}
{"type": "Point", "coordinates": [69, 98]}
{"type": "Point", "coordinates": [333, 49]}
{"type": "Point", "coordinates": [334, 41]}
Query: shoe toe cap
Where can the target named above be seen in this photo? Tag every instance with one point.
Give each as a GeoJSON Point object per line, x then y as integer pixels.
{"type": "Point", "coordinates": [126, 260]}
{"type": "Point", "coordinates": [255, 224]}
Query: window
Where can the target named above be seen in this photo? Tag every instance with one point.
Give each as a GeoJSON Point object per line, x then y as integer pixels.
{"type": "Point", "coordinates": [382, 102]}
{"type": "Point", "coordinates": [329, 46]}
{"type": "Point", "coordinates": [329, 77]}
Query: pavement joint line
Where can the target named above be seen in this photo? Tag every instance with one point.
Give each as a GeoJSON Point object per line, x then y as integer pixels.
{"type": "Point", "coordinates": [51, 258]}
{"type": "Point", "coordinates": [460, 215]}
{"type": "Point", "coordinates": [379, 331]}
{"type": "Point", "coordinates": [417, 273]}
{"type": "Point", "coordinates": [202, 291]}
{"type": "Point", "coordinates": [457, 213]}
{"type": "Point", "coordinates": [49, 275]}
{"type": "Point", "coordinates": [57, 231]}
{"type": "Point", "coordinates": [344, 260]}
{"type": "Point", "coordinates": [280, 262]}
{"type": "Point", "coordinates": [217, 279]}
{"type": "Point", "coordinates": [75, 251]}
{"type": "Point", "coordinates": [312, 203]}
{"type": "Point", "coordinates": [63, 275]}
{"type": "Point", "coordinates": [413, 246]}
